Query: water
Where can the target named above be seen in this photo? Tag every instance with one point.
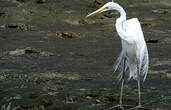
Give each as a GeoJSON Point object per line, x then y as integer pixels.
{"type": "Point", "coordinates": [79, 74]}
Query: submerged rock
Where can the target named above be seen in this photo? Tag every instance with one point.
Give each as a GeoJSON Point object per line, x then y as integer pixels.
{"type": "Point", "coordinates": [146, 24]}
{"type": "Point", "coordinates": [17, 52]}
{"type": "Point", "coordinates": [165, 40]}
{"type": "Point", "coordinates": [41, 1]}
{"type": "Point", "coordinates": [30, 50]}
{"type": "Point", "coordinates": [152, 41]}
{"type": "Point", "coordinates": [79, 22]}
{"type": "Point", "coordinates": [99, 3]}
{"type": "Point", "coordinates": [162, 11]}
{"type": "Point", "coordinates": [67, 35]}
{"type": "Point", "coordinates": [19, 26]}
{"type": "Point", "coordinates": [2, 13]}
{"type": "Point", "coordinates": [20, 0]}
{"type": "Point", "coordinates": [56, 88]}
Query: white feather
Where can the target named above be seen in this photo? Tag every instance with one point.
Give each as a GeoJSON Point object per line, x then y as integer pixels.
{"type": "Point", "coordinates": [134, 49]}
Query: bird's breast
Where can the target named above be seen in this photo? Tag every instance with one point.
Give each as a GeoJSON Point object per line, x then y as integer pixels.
{"type": "Point", "coordinates": [129, 49]}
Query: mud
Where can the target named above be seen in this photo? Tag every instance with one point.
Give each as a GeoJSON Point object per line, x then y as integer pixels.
{"type": "Point", "coordinates": [53, 58]}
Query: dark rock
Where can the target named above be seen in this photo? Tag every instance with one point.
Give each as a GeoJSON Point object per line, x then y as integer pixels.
{"type": "Point", "coordinates": [145, 24]}
{"type": "Point", "coordinates": [29, 50]}
{"type": "Point", "coordinates": [165, 40]}
{"type": "Point", "coordinates": [20, 0]}
{"type": "Point", "coordinates": [152, 41]}
{"type": "Point", "coordinates": [110, 14]}
{"type": "Point", "coordinates": [82, 21]}
{"type": "Point", "coordinates": [41, 1]}
{"type": "Point", "coordinates": [71, 99]}
{"type": "Point", "coordinates": [2, 13]}
{"type": "Point", "coordinates": [17, 52]}
{"type": "Point", "coordinates": [67, 35]}
{"type": "Point", "coordinates": [33, 96]}
{"type": "Point", "coordinates": [19, 26]}
{"type": "Point", "coordinates": [99, 3]}
{"type": "Point", "coordinates": [56, 88]}
{"type": "Point", "coordinates": [162, 11]}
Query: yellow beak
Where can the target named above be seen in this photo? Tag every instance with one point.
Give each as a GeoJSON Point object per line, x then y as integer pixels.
{"type": "Point", "coordinates": [97, 11]}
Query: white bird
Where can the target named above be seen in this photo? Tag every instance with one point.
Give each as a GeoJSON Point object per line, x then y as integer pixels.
{"type": "Point", "coordinates": [134, 57]}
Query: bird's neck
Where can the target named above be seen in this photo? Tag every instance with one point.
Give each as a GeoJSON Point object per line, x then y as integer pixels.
{"type": "Point", "coordinates": [120, 20]}
{"type": "Point", "coordinates": [122, 17]}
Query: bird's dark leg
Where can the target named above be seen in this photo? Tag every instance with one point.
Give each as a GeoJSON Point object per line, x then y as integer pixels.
{"type": "Point", "coordinates": [139, 107]}
{"type": "Point", "coordinates": [138, 80]}
{"type": "Point", "coordinates": [139, 93]}
{"type": "Point", "coordinates": [120, 101]}
{"type": "Point", "coordinates": [120, 105]}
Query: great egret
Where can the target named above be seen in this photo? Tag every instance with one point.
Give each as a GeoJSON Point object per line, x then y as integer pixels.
{"type": "Point", "coordinates": [134, 57]}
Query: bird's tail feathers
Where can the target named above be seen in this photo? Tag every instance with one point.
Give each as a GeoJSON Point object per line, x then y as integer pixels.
{"type": "Point", "coordinates": [120, 65]}
{"type": "Point", "coordinates": [133, 72]}
{"type": "Point", "coordinates": [144, 63]}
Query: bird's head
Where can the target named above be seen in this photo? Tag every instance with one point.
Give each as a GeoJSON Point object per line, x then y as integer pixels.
{"type": "Point", "coordinates": [108, 6]}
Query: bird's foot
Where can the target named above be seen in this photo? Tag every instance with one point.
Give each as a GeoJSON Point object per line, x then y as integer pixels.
{"type": "Point", "coordinates": [138, 108]}
{"type": "Point", "coordinates": [119, 107]}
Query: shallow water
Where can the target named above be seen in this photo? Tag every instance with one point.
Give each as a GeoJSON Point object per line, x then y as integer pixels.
{"type": "Point", "coordinates": [69, 64]}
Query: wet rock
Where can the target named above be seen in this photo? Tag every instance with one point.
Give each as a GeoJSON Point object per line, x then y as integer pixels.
{"type": "Point", "coordinates": [92, 95]}
{"type": "Point", "coordinates": [59, 83]}
{"type": "Point", "coordinates": [168, 75]}
{"type": "Point", "coordinates": [33, 96]}
{"type": "Point", "coordinates": [38, 80]}
{"type": "Point", "coordinates": [110, 14]}
{"type": "Point", "coordinates": [152, 41]}
{"type": "Point", "coordinates": [82, 22]}
{"type": "Point", "coordinates": [101, 98]}
{"type": "Point", "coordinates": [55, 88]}
{"type": "Point", "coordinates": [69, 76]}
{"type": "Point", "coordinates": [83, 53]}
{"type": "Point", "coordinates": [2, 13]}
{"type": "Point", "coordinates": [17, 52]}
{"type": "Point", "coordinates": [162, 11]}
{"type": "Point", "coordinates": [41, 1]}
{"type": "Point", "coordinates": [20, 0]}
{"type": "Point", "coordinates": [71, 99]}
{"type": "Point", "coordinates": [99, 3]}
{"type": "Point", "coordinates": [19, 26]}
{"type": "Point", "coordinates": [38, 107]}
{"type": "Point", "coordinates": [17, 1]}
{"type": "Point", "coordinates": [46, 102]}
{"type": "Point", "coordinates": [66, 35]}
{"type": "Point", "coordinates": [43, 78]}
{"type": "Point", "coordinates": [146, 24]}
{"type": "Point", "coordinates": [79, 22]}
{"type": "Point", "coordinates": [165, 40]}
{"type": "Point", "coordinates": [29, 50]}
{"type": "Point", "coordinates": [107, 98]}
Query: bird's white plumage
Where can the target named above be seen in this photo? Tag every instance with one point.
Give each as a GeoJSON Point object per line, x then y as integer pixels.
{"type": "Point", "coordinates": [134, 49]}
{"type": "Point", "coordinates": [134, 55]}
